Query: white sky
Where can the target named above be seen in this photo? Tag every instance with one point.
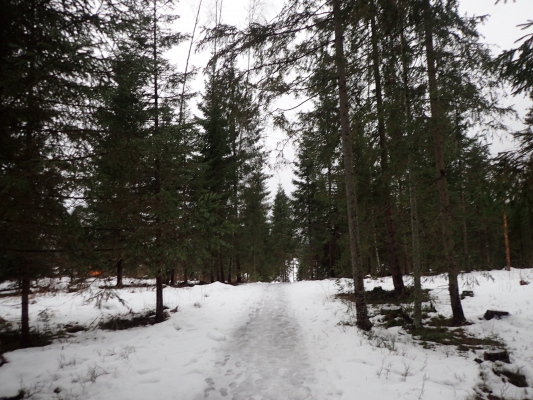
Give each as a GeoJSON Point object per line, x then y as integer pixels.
{"type": "Point", "coordinates": [500, 30]}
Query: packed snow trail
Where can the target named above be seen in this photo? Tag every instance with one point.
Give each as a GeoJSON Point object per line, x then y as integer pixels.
{"type": "Point", "coordinates": [265, 358]}
{"type": "Point", "coordinates": [263, 341]}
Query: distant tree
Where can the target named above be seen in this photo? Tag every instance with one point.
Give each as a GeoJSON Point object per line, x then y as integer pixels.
{"type": "Point", "coordinates": [281, 241]}
{"type": "Point", "coordinates": [253, 254]}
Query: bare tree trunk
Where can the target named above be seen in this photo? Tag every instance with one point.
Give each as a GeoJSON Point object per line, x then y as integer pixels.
{"type": "Point", "coordinates": [362, 320]}
{"type": "Point", "coordinates": [331, 249]}
{"type": "Point", "coordinates": [220, 267]}
{"type": "Point", "coordinates": [529, 224]}
{"type": "Point", "coordinates": [185, 73]}
{"type": "Point", "coordinates": [442, 183]}
{"type": "Point", "coordinates": [417, 292]}
{"type": "Point", "coordinates": [488, 256]}
{"type": "Point", "coordinates": [217, 269]}
{"type": "Point", "coordinates": [185, 274]}
{"type": "Point", "coordinates": [120, 270]}
{"type": "Point", "coordinates": [415, 232]}
{"type": "Point", "coordinates": [465, 230]}
{"type": "Point", "coordinates": [239, 276]}
{"type": "Point", "coordinates": [331, 242]}
{"type": "Point", "coordinates": [407, 268]}
{"type": "Point", "coordinates": [507, 249]}
{"type": "Point", "coordinates": [394, 262]}
{"type": "Point", "coordinates": [159, 312]}
{"type": "Point", "coordinates": [172, 277]}
{"type": "Point", "coordinates": [405, 247]}
{"type": "Point", "coordinates": [25, 293]}
{"type": "Point", "coordinates": [376, 250]}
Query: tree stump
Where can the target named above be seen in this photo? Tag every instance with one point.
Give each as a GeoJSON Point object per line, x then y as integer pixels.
{"type": "Point", "coordinates": [497, 355]}
{"type": "Point", "coordinates": [467, 293]}
{"type": "Point", "coordinates": [489, 314]}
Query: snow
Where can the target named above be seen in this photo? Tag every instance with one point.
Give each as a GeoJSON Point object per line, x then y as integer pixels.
{"type": "Point", "coordinates": [264, 341]}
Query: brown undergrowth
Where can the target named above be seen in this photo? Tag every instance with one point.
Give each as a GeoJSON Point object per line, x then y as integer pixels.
{"type": "Point", "coordinates": [130, 320]}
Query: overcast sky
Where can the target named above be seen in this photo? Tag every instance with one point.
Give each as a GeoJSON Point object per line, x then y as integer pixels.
{"type": "Point", "coordinates": [500, 30]}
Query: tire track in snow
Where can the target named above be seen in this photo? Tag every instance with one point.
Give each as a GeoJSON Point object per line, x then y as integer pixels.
{"type": "Point", "coordinates": [265, 358]}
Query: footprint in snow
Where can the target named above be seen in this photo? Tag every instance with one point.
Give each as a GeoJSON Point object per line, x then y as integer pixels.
{"type": "Point", "coordinates": [147, 371]}
{"type": "Point", "coordinates": [210, 387]}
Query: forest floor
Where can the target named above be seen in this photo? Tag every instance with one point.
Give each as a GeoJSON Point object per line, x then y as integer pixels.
{"type": "Point", "coordinates": [268, 341]}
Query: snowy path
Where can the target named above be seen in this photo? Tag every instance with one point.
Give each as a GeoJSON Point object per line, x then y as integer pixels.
{"type": "Point", "coordinates": [263, 341]}
{"type": "Point", "coordinates": [265, 358]}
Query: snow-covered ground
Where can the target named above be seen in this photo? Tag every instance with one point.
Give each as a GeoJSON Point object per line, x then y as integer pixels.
{"type": "Point", "coordinates": [265, 341]}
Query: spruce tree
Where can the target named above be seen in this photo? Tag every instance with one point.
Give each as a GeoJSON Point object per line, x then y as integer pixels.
{"type": "Point", "coordinates": [281, 241]}
{"type": "Point", "coordinates": [46, 65]}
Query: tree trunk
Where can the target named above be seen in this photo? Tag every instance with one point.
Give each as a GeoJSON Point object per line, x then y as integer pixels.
{"type": "Point", "coordinates": [119, 273]}
{"type": "Point", "coordinates": [407, 269]}
{"type": "Point", "coordinates": [159, 311]}
{"type": "Point", "coordinates": [25, 293]}
{"type": "Point", "coordinates": [220, 267]}
{"type": "Point", "coordinates": [506, 236]}
{"type": "Point", "coordinates": [415, 232]}
{"type": "Point", "coordinates": [488, 256]}
{"type": "Point", "coordinates": [331, 249]}
{"type": "Point", "coordinates": [376, 249]}
{"type": "Point", "coordinates": [331, 242]}
{"type": "Point", "coordinates": [444, 200]}
{"type": "Point", "coordinates": [172, 276]}
{"type": "Point", "coordinates": [362, 320]}
{"type": "Point", "coordinates": [405, 240]}
{"type": "Point", "coordinates": [394, 262]}
{"type": "Point", "coordinates": [417, 292]}
{"type": "Point", "coordinates": [239, 276]}
{"type": "Point", "coordinates": [185, 274]}
{"type": "Point", "coordinates": [465, 230]}
{"type": "Point", "coordinates": [529, 224]}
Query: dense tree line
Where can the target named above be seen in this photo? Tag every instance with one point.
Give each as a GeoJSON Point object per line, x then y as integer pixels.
{"type": "Point", "coordinates": [403, 98]}
{"type": "Point", "coordinates": [105, 167]}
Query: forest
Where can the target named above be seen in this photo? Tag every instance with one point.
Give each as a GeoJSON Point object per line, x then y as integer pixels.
{"type": "Point", "coordinates": [107, 168]}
